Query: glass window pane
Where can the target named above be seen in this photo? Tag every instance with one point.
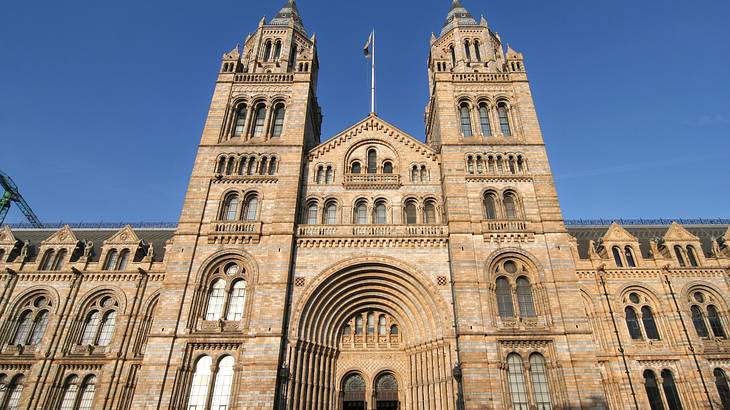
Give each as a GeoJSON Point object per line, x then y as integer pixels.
{"type": "Point", "coordinates": [715, 323]}
{"type": "Point", "coordinates": [39, 327]}
{"type": "Point", "coordinates": [491, 207]}
{"type": "Point", "coordinates": [649, 324]}
{"type": "Point", "coordinates": [107, 328]}
{"type": "Point", "coordinates": [258, 130]}
{"type": "Point", "coordinates": [123, 260]}
{"type": "Point", "coordinates": [430, 213]}
{"type": "Point", "coordinates": [278, 122]}
{"type": "Point", "coordinates": [381, 326]}
{"type": "Point", "coordinates": [330, 175]}
{"type": "Point", "coordinates": [312, 211]}
{"type": "Point", "coordinates": [504, 298]}
{"type": "Point", "coordinates": [371, 323]}
{"type": "Point", "coordinates": [237, 301]}
{"type": "Point", "coordinates": [723, 390]}
{"type": "Point", "coordinates": [231, 208]}
{"type": "Point", "coordinates": [87, 393]}
{"type": "Point", "coordinates": [223, 384]}
{"type": "Point", "coordinates": [252, 208]}
{"type": "Point", "coordinates": [24, 325]}
{"type": "Point", "coordinates": [516, 378]}
{"type": "Point", "coordinates": [699, 322]}
{"type": "Point", "coordinates": [240, 121]}
{"type": "Point", "coordinates": [633, 323]}
{"type": "Point", "coordinates": [524, 298]}
{"type": "Point", "coordinates": [358, 325]}
{"type": "Point", "coordinates": [362, 214]}
{"type": "Point", "coordinates": [540, 386]}
{"type": "Point", "coordinates": [48, 260]}
{"type": "Point", "coordinates": [331, 212]}
{"type": "Point", "coordinates": [111, 260]}
{"type": "Point", "coordinates": [510, 208]}
{"type": "Point", "coordinates": [14, 392]}
{"type": "Point", "coordinates": [670, 391]}
{"type": "Point", "coordinates": [465, 121]}
{"type": "Point", "coordinates": [372, 161]}
{"type": "Point", "coordinates": [380, 217]}
{"type": "Point", "coordinates": [91, 326]}
{"type": "Point", "coordinates": [215, 300]}
{"type": "Point", "coordinates": [69, 395]}
{"type": "Point", "coordinates": [410, 213]}
{"type": "Point", "coordinates": [652, 391]}
{"type": "Point", "coordinates": [388, 168]}
{"type": "Point", "coordinates": [484, 121]}
{"type": "Point", "coordinates": [199, 386]}
{"type": "Point", "coordinates": [504, 120]}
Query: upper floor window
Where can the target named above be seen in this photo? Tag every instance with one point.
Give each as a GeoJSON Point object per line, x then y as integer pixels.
{"type": "Point", "coordinates": [10, 393]}
{"type": "Point", "coordinates": [330, 213]}
{"type": "Point", "coordinates": [723, 390]}
{"type": "Point", "coordinates": [679, 252]}
{"type": "Point", "coordinates": [379, 215]}
{"type": "Point", "coordinates": [117, 261]}
{"type": "Point", "coordinates": [490, 203]}
{"type": "Point", "coordinates": [617, 256]}
{"type": "Point", "coordinates": [465, 119]}
{"type": "Point", "coordinates": [240, 122]}
{"type": "Point", "coordinates": [329, 175]}
{"type": "Point", "coordinates": [453, 56]}
{"type": "Point", "coordinates": [429, 213]}
{"type": "Point", "coordinates": [372, 161]}
{"type": "Point", "coordinates": [504, 119]}
{"type": "Point", "coordinates": [510, 206]}
{"type": "Point", "coordinates": [227, 301]}
{"type": "Point", "coordinates": [629, 253]}
{"type": "Point", "coordinates": [98, 327]}
{"type": "Point", "coordinates": [267, 50]}
{"type": "Point", "coordinates": [277, 50]}
{"type": "Point", "coordinates": [278, 120]}
{"type": "Point", "coordinates": [484, 120]}
{"type": "Point", "coordinates": [704, 312]}
{"type": "Point", "coordinates": [467, 49]}
{"type": "Point", "coordinates": [259, 120]}
{"type": "Point", "coordinates": [506, 299]}
{"type": "Point", "coordinates": [411, 213]}
{"type": "Point", "coordinates": [634, 304]}
{"type": "Point", "coordinates": [692, 256]}
{"type": "Point", "coordinates": [77, 394]}
{"type": "Point", "coordinates": [356, 168]}
{"type": "Point", "coordinates": [32, 322]}
{"type": "Point", "coordinates": [312, 211]}
{"type": "Point", "coordinates": [53, 261]}
{"type": "Point", "coordinates": [250, 208]}
{"type": "Point", "coordinates": [477, 53]}
{"type": "Point", "coordinates": [230, 208]}
{"type": "Point", "coordinates": [361, 213]}
{"type": "Point", "coordinates": [387, 167]}
{"type": "Point", "coordinates": [538, 382]}
{"type": "Point", "coordinates": [211, 386]}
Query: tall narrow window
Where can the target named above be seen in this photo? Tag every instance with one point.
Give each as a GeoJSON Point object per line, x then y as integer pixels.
{"type": "Point", "coordinates": [647, 318]}
{"type": "Point", "coordinates": [477, 52]}
{"type": "Point", "coordinates": [424, 174]}
{"type": "Point", "coordinates": [484, 120]}
{"type": "Point", "coordinates": [39, 328]}
{"type": "Point", "coordinates": [617, 257]}
{"type": "Point", "coordinates": [358, 325]}
{"type": "Point", "coordinates": [59, 260]}
{"type": "Point", "coordinates": [312, 211]}
{"type": "Point", "coordinates": [699, 322]}
{"type": "Point", "coordinates": [91, 327]}
{"type": "Point", "coordinates": [279, 112]}
{"type": "Point", "coordinates": [516, 377]}
{"type": "Point", "coordinates": [372, 161]}
{"type": "Point", "coordinates": [504, 298]}
{"type": "Point", "coordinates": [320, 175]}
{"type": "Point", "coordinates": [237, 301]}
{"type": "Point", "coordinates": [540, 385]}
{"type": "Point", "coordinates": [465, 120]}
{"type": "Point", "coordinates": [272, 166]}
{"type": "Point", "coordinates": [629, 253]}
{"type": "Point", "coordinates": [277, 50]}
{"type": "Point", "coordinates": [490, 203]}
{"type": "Point", "coordinates": [670, 391]}
{"type": "Point", "coordinates": [411, 213]}
{"type": "Point", "coordinates": [223, 384]}
{"type": "Point", "coordinates": [361, 214]}
{"type": "Point", "coordinates": [371, 323]}
{"type": "Point", "coordinates": [692, 256]}
{"type": "Point", "coordinates": [240, 123]}
{"type": "Point", "coordinates": [230, 208]}
{"type": "Point", "coordinates": [414, 174]}
{"type": "Point", "coordinates": [24, 325]}
{"type": "Point", "coordinates": [267, 50]}
{"type": "Point", "coordinates": [387, 167]}
{"type": "Point", "coordinates": [251, 210]}
{"type": "Point", "coordinates": [453, 56]}
{"type": "Point", "coordinates": [512, 165]}
{"type": "Point", "coordinates": [382, 330]}
{"type": "Point", "coordinates": [48, 258]}
{"type": "Point", "coordinates": [430, 213]}
{"type": "Point", "coordinates": [88, 389]}
{"type": "Point", "coordinates": [470, 164]}
{"type": "Point", "coordinates": [504, 119]}
{"type": "Point", "coordinates": [380, 214]}
{"type": "Point", "coordinates": [70, 390]}
{"type": "Point", "coordinates": [715, 323]}
{"type": "Point", "coordinates": [199, 387]}
{"type": "Point", "coordinates": [680, 258]}
{"type": "Point", "coordinates": [263, 166]}
{"type": "Point", "coordinates": [632, 323]}
{"type": "Point", "coordinates": [259, 121]}
{"type": "Point", "coordinates": [123, 260]}
{"type": "Point", "coordinates": [329, 175]}
{"type": "Point", "coordinates": [293, 56]}
{"type": "Point", "coordinates": [356, 168]}
{"type": "Point", "coordinates": [467, 49]}
{"type": "Point", "coordinates": [524, 297]}
{"type": "Point", "coordinates": [652, 390]}
{"type": "Point", "coordinates": [15, 391]}
{"type": "Point", "coordinates": [331, 214]}
{"type": "Point", "coordinates": [215, 300]}
{"type": "Point", "coordinates": [107, 328]}
{"type": "Point", "coordinates": [251, 169]}
{"type": "Point", "coordinates": [723, 390]}
{"type": "Point", "coordinates": [510, 207]}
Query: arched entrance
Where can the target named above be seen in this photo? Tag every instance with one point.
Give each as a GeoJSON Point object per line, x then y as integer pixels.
{"type": "Point", "coordinates": [386, 392]}
{"type": "Point", "coordinates": [352, 394]}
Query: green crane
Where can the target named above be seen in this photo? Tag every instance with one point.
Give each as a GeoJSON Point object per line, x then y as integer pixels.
{"type": "Point", "coordinates": [13, 195]}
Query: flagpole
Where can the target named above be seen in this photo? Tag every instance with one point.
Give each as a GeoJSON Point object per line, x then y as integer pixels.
{"type": "Point", "coordinates": [372, 91]}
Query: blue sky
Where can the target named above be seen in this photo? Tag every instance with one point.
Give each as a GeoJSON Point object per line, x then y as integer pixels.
{"type": "Point", "coordinates": [102, 103]}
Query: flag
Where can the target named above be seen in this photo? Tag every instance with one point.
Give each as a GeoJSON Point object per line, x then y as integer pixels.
{"type": "Point", "coordinates": [366, 49]}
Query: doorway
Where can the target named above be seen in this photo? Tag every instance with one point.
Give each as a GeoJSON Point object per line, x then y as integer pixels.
{"type": "Point", "coordinates": [386, 392]}
{"type": "Point", "coordinates": [353, 392]}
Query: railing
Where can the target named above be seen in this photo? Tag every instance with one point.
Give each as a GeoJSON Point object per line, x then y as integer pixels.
{"type": "Point", "coordinates": [236, 227]}
{"type": "Point", "coordinates": [263, 78]}
{"type": "Point", "coordinates": [372, 180]}
{"type": "Point", "coordinates": [504, 226]}
{"type": "Point", "coordinates": [479, 77]}
{"type": "Point", "coordinates": [372, 231]}
{"type": "Point", "coordinates": [658, 221]}
{"type": "Point", "coordinates": [97, 225]}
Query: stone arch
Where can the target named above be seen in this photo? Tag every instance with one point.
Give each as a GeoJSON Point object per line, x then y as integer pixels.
{"type": "Point", "coordinates": [495, 257]}
{"type": "Point", "coordinates": [696, 285]}
{"type": "Point", "coordinates": [20, 300]}
{"type": "Point", "coordinates": [99, 291]}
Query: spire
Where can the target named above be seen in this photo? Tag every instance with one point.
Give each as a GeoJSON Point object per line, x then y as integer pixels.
{"type": "Point", "coordinates": [458, 16]}
{"type": "Point", "coordinates": [289, 14]}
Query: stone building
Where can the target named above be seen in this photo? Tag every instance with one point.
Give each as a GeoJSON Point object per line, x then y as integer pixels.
{"type": "Point", "coordinates": [369, 270]}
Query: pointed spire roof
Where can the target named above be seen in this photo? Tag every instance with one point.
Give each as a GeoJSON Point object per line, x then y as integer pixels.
{"type": "Point", "coordinates": [288, 14]}
{"type": "Point", "coordinates": [458, 16]}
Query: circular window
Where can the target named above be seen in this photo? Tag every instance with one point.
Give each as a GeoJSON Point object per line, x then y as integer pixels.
{"type": "Point", "coordinates": [634, 298]}
{"type": "Point", "coordinates": [106, 302]}
{"type": "Point", "coordinates": [231, 269]}
{"type": "Point", "coordinates": [510, 267]}
{"type": "Point", "coordinates": [39, 302]}
{"type": "Point", "coordinates": [699, 297]}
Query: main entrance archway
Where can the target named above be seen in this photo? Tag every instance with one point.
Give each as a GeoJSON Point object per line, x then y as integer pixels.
{"type": "Point", "coordinates": [360, 319]}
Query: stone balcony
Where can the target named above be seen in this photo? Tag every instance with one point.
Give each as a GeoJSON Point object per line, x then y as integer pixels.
{"type": "Point", "coordinates": [372, 231]}
{"type": "Point", "coordinates": [507, 231]}
{"type": "Point", "coordinates": [504, 226]}
{"type": "Point", "coordinates": [231, 232]}
{"type": "Point", "coordinates": [372, 181]}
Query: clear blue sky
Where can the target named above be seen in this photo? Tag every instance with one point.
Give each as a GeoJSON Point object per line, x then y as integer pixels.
{"type": "Point", "coordinates": [102, 103]}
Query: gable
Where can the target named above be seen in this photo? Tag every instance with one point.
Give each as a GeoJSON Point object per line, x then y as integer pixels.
{"type": "Point", "coordinates": [617, 233]}
{"type": "Point", "coordinates": [64, 236]}
{"type": "Point", "coordinates": [677, 233]}
{"type": "Point", "coordinates": [125, 236]}
{"type": "Point", "coordinates": [7, 237]}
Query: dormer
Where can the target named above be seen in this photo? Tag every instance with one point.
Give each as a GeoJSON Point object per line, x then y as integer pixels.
{"type": "Point", "coordinates": [621, 247]}
{"type": "Point", "coordinates": [8, 242]}
{"type": "Point", "coordinates": [682, 247]}
{"type": "Point", "coordinates": [119, 250]}
{"type": "Point", "coordinates": [57, 251]}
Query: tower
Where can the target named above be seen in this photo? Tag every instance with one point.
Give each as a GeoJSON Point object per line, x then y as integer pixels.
{"type": "Point", "coordinates": [506, 233]}
{"type": "Point", "coordinates": [230, 273]}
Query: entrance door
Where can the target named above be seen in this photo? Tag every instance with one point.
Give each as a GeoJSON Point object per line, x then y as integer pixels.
{"type": "Point", "coordinates": [353, 392]}
{"type": "Point", "coordinates": [387, 405]}
{"type": "Point", "coordinates": [386, 392]}
{"type": "Point", "coordinates": [354, 405]}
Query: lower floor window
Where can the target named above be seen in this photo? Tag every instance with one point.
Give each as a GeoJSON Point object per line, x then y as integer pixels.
{"type": "Point", "coordinates": [536, 393]}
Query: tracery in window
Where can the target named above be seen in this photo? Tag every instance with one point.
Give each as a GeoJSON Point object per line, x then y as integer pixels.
{"type": "Point", "coordinates": [100, 321]}
{"type": "Point", "coordinates": [226, 294]}
{"type": "Point", "coordinates": [644, 326]}
{"type": "Point", "coordinates": [705, 316]}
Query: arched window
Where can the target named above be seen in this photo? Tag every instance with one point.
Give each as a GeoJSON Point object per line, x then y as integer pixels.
{"type": "Point", "coordinates": [516, 377]}
{"type": "Point", "coordinates": [259, 120]}
{"type": "Point", "coordinates": [723, 390]}
{"type": "Point", "coordinates": [70, 393]}
{"type": "Point", "coordinates": [490, 203]}
{"type": "Point", "coordinates": [229, 167]}
{"type": "Point", "coordinates": [504, 119]}
{"type": "Point", "coordinates": [692, 256]}
{"type": "Point", "coordinates": [111, 260]}
{"type": "Point", "coordinates": [277, 50]}
{"type": "Point", "coordinates": [240, 123]}
{"type": "Point", "coordinates": [123, 260]}
{"type": "Point", "coordinates": [629, 253]}
{"type": "Point", "coordinates": [361, 213]}
{"type": "Point", "coordinates": [617, 256]}
{"type": "Point", "coordinates": [330, 213]}
{"type": "Point", "coordinates": [329, 175]}
{"type": "Point", "coordinates": [715, 323]}
{"type": "Point", "coordinates": [382, 330]}
{"type": "Point", "coordinates": [380, 217]}
{"type": "Point", "coordinates": [680, 258]}
{"type": "Point", "coordinates": [320, 175]}
{"type": "Point", "coordinates": [223, 384]}
{"type": "Point", "coordinates": [353, 388]}
{"type": "Point", "coordinates": [490, 165]}
{"type": "Point", "coordinates": [237, 301]}
{"type": "Point", "coordinates": [91, 328]}
{"type": "Point", "coordinates": [699, 322]}
{"type": "Point", "coordinates": [88, 389]}
{"type": "Point", "coordinates": [504, 298]}
{"type": "Point", "coordinates": [279, 113]}
{"type": "Point", "coordinates": [453, 56]}
{"type": "Point", "coordinates": [414, 174]}
{"type": "Point", "coordinates": [251, 169]}
{"type": "Point", "coordinates": [198, 397]}
{"type": "Point", "coordinates": [484, 120]}
{"type": "Point", "coordinates": [510, 206]}
{"type": "Point", "coordinates": [411, 213]}
{"type": "Point", "coordinates": [424, 174]}
{"type": "Point", "coordinates": [387, 167]}
{"type": "Point", "coordinates": [540, 385]}
{"type": "Point", "coordinates": [293, 56]}
{"type": "Point", "coordinates": [429, 213]}
{"type": "Point", "coordinates": [48, 258]}
{"type": "Point", "coordinates": [312, 211]}
{"type": "Point", "coordinates": [512, 165]}
{"type": "Point", "coordinates": [356, 168]}
{"type": "Point", "coordinates": [670, 391]}
{"type": "Point", "coordinates": [107, 328]}
{"type": "Point", "coordinates": [652, 390]}
{"type": "Point", "coordinates": [272, 166]}
{"type": "Point", "coordinates": [467, 49]}
{"type": "Point", "coordinates": [59, 260]}
{"type": "Point", "coordinates": [25, 322]}
{"type": "Point", "coordinates": [465, 117]}
{"type": "Point", "coordinates": [39, 327]}
{"type": "Point", "coordinates": [393, 330]}
{"type": "Point", "coordinates": [632, 323]}
{"type": "Point", "coordinates": [98, 327]}
{"type": "Point", "coordinates": [372, 161]}
{"type": "Point", "coordinates": [251, 208]}
{"type": "Point", "coordinates": [263, 166]}
{"type": "Point", "coordinates": [358, 325]}
{"type": "Point", "coordinates": [477, 53]}
{"type": "Point", "coordinates": [230, 209]}
{"type": "Point", "coordinates": [216, 298]}
{"type": "Point", "coordinates": [371, 323]}
{"type": "Point", "coordinates": [524, 297]}
{"type": "Point", "coordinates": [647, 318]}
{"type": "Point", "coordinates": [267, 50]}
{"type": "Point", "coordinates": [2, 255]}
{"type": "Point", "coordinates": [13, 392]}
{"type": "Point", "coordinates": [470, 164]}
